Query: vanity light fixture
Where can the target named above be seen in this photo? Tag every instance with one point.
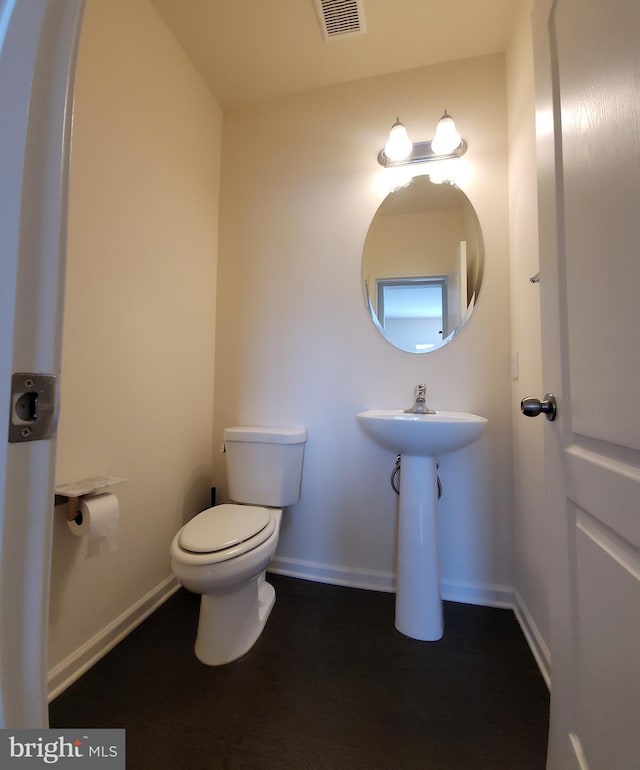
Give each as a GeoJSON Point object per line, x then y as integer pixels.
{"type": "Point", "coordinates": [400, 151]}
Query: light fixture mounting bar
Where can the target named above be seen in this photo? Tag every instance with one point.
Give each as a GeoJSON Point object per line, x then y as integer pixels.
{"type": "Point", "coordinates": [421, 153]}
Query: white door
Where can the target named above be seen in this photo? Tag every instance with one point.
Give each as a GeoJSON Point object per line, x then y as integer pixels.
{"type": "Point", "coordinates": [38, 40]}
{"type": "Point", "coordinates": [587, 56]}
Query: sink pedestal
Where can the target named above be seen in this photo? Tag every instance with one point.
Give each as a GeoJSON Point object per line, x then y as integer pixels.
{"type": "Point", "coordinates": [419, 439]}
{"type": "Point", "coordinates": [418, 601]}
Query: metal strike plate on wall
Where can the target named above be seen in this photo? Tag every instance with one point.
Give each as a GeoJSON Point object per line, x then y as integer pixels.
{"type": "Point", "coordinates": [33, 414]}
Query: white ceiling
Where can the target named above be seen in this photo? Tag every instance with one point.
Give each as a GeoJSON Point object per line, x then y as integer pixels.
{"type": "Point", "coordinates": [250, 50]}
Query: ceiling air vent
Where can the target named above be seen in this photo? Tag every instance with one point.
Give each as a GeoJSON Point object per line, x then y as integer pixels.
{"type": "Point", "coordinates": [340, 17]}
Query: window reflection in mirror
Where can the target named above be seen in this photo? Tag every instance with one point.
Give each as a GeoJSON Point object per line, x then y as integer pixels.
{"type": "Point", "coordinates": [422, 265]}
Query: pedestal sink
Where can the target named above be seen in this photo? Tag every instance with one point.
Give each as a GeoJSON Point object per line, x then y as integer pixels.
{"type": "Point", "coordinates": [419, 439]}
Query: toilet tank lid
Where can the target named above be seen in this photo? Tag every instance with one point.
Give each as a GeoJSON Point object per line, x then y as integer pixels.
{"type": "Point", "coordinates": [266, 435]}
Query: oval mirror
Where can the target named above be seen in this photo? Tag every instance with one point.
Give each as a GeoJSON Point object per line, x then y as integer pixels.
{"type": "Point", "coordinates": [422, 265]}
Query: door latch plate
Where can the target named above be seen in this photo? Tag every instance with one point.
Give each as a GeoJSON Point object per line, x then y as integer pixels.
{"type": "Point", "coordinates": [33, 414]}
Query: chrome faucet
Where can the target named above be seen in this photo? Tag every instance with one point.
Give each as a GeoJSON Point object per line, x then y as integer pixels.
{"type": "Point", "coordinates": [420, 404]}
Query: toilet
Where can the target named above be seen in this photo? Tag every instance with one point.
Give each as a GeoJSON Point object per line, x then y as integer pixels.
{"type": "Point", "coordinates": [223, 552]}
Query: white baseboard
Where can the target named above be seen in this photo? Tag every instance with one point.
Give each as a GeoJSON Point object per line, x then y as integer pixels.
{"type": "Point", "coordinates": [372, 580]}
{"type": "Point", "coordinates": [378, 580]}
{"type": "Point", "coordinates": [533, 636]}
{"type": "Point", "coordinates": [484, 595]}
{"type": "Point", "coordinates": [73, 666]}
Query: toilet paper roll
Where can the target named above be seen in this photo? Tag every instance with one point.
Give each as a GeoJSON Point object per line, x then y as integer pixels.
{"type": "Point", "coordinates": [97, 517]}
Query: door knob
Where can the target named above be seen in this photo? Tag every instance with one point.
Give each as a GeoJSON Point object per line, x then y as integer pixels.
{"type": "Point", "coordinates": [532, 407]}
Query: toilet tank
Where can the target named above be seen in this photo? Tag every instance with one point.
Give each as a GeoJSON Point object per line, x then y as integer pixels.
{"type": "Point", "coordinates": [264, 465]}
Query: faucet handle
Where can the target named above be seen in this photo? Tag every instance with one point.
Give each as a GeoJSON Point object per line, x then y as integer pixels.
{"type": "Point", "coordinates": [420, 404]}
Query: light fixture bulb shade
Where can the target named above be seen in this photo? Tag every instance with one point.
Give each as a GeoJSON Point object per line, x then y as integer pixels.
{"type": "Point", "coordinates": [447, 139]}
{"type": "Point", "coordinates": [398, 146]}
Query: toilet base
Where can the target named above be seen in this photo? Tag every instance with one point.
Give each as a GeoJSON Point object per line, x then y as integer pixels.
{"type": "Point", "coordinates": [230, 622]}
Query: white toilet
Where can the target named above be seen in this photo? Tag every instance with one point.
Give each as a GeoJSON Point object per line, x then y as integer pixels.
{"type": "Point", "coordinates": [223, 552]}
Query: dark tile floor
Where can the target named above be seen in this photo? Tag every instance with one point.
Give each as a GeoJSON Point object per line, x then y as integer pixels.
{"type": "Point", "coordinates": [330, 685]}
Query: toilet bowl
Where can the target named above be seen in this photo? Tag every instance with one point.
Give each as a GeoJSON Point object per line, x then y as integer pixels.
{"type": "Point", "coordinates": [236, 598]}
{"type": "Point", "coordinates": [223, 552]}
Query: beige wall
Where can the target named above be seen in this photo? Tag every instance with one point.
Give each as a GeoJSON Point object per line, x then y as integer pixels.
{"type": "Point", "coordinates": [295, 345]}
{"type": "Point", "coordinates": [530, 527]}
{"type": "Point", "coordinates": [137, 368]}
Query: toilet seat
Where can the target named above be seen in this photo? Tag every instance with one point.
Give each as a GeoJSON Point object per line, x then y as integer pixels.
{"type": "Point", "coordinates": [225, 531]}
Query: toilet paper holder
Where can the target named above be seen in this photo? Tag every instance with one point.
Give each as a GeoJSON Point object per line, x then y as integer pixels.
{"type": "Point", "coordinates": [77, 489]}
{"type": "Point", "coordinates": [72, 510]}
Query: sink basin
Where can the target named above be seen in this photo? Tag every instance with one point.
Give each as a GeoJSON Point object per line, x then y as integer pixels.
{"type": "Point", "coordinates": [423, 435]}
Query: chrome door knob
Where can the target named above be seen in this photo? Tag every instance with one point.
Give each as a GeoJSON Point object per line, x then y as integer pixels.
{"type": "Point", "coordinates": [532, 407]}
